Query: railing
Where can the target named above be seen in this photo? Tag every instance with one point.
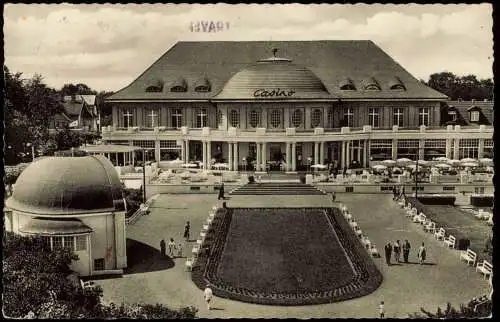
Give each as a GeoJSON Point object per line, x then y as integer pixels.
{"type": "Point", "coordinates": [141, 211]}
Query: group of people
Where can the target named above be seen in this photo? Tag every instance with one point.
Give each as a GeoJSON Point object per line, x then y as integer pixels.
{"type": "Point", "coordinates": [397, 248]}
{"type": "Point", "coordinates": [173, 249]}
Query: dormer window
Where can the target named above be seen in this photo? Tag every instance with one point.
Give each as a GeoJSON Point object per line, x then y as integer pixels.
{"type": "Point", "coordinates": [347, 85]}
{"type": "Point", "coordinates": [177, 85]}
{"type": "Point", "coordinates": [371, 84]}
{"type": "Point", "coordinates": [177, 89]}
{"type": "Point", "coordinates": [202, 85]}
{"type": "Point", "coordinates": [202, 88]}
{"type": "Point", "coordinates": [154, 86]}
{"type": "Point", "coordinates": [398, 87]}
{"type": "Point", "coordinates": [396, 84]}
{"type": "Point", "coordinates": [452, 116]}
{"type": "Point", "coordinates": [372, 88]}
{"type": "Point", "coordinates": [474, 116]}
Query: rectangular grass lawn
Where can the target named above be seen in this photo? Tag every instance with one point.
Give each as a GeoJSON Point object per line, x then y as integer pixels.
{"type": "Point", "coordinates": [283, 250]}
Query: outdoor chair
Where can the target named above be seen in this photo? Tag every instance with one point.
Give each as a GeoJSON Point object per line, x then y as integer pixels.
{"type": "Point", "coordinates": [204, 228]}
{"type": "Point", "coordinates": [440, 234]}
{"type": "Point", "coordinates": [485, 268]}
{"type": "Point", "coordinates": [450, 241]}
{"type": "Point", "coordinates": [203, 235]}
{"type": "Point", "coordinates": [359, 232]}
{"type": "Point", "coordinates": [189, 264]}
{"type": "Point", "coordinates": [209, 220]}
{"type": "Point", "coordinates": [353, 224]}
{"type": "Point", "coordinates": [195, 250]}
{"type": "Point", "coordinates": [469, 256]}
{"type": "Point", "coordinates": [422, 218]}
{"type": "Point", "coordinates": [430, 227]}
{"type": "Point", "coordinates": [349, 217]}
{"type": "Point", "coordinates": [88, 286]}
{"type": "Point", "coordinates": [374, 251]}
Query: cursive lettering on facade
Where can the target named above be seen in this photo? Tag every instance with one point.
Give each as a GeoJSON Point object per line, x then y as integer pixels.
{"type": "Point", "coordinates": [273, 93]}
{"type": "Point", "coordinates": [209, 26]}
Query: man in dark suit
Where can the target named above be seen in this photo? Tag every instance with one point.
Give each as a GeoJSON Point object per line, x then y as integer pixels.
{"type": "Point", "coordinates": [388, 253]}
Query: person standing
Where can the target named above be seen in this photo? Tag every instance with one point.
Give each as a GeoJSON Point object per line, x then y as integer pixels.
{"type": "Point", "coordinates": [421, 254]}
{"type": "Point", "coordinates": [388, 253]}
{"type": "Point", "coordinates": [163, 248]}
{"type": "Point", "coordinates": [221, 192]}
{"type": "Point", "coordinates": [381, 309]}
{"type": "Point", "coordinates": [397, 251]}
{"type": "Point", "coordinates": [171, 247]}
{"type": "Point", "coordinates": [406, 250]}
{"type": "Point", "coordinates": [179, 250]}
{"type": "Point", "coordinates": [187, 230]}
{"type": "Point", "coordinates": [208, 295]}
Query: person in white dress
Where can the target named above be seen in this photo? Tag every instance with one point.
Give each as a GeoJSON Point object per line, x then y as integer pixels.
{"type": "Point", "coordinates": [208, 296]}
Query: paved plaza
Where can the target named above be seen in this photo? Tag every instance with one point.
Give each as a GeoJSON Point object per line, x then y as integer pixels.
{"type": "Point", "coordinates": [405, 288]}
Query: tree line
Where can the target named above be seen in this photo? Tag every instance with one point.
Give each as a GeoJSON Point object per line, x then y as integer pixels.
{"type": "Point", "coordinates": [461, 87]}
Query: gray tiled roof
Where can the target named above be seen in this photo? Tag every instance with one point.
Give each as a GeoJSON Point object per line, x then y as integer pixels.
{"type": "Point", "coordinates": [330, 60]}
{"type": "Point", "coordinates": [485, 108]}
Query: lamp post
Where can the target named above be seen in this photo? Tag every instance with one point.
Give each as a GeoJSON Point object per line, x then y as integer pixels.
{"type": "Point", "coordinates": [143, 175]}
{"type": "Point", "coordinates": [309, 160]}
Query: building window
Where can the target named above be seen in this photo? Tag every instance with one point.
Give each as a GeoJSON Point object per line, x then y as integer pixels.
{"type": "Point", "coordinates": [448, 188]}
{"type": "Point", "coordinates": [220, 118]}
{"type": "Point", "coordinates": [57, 242]}
{"type": "Point", "coordinates": [423, 116]}
{"type": "Point", "coordinates": [201, 117]}
{"type": "Point", "coordinates": [176, 118]}
{"type": "Point", "coordinates": [127, 118]}
{"type": "Point", "coordinates": [408, 149]}
{"type": "Point", "coordinates": [178, 89]}
{"type": "Point", "coordinates": [254, 118]}
{"type": "Point", "coordinates": [348, 117]}
{"type": "Point", "coordinates": [468, 148]}
{"type": "Point", "coordinates": [474, 116]}
{"type": "Point", "coordinates": [380, 149]}
{"type": "Point", "coordinates": [275, 118]}
{"type": "Point", "coordinates": [316, 117]}
{"type": "Point", "coordinates": [330, 117]}
{"type": "Point", "coordinates": [81, 243]}
{"type": "Point", "coordinates": [169, 150]}
{"type": "Point", "coordinates": [434, 148]}
{"type": "Point", "coordinates": [452, 116]}
{"type": "Point", "coordinates": [68, 242]}
{"type": "Point", "coordinates": [234, 118]}
{"type": "Point", "coordinates": [488, 148]}
{"type": "Point", "coordinates": [373, 116]}
{"type": "Point", "coordinates": [152, 115]}
{"type": "Point", "coordinates": [398, 117]}
{"type": "Point", "coordinates": [297, 118]}
{"type": "Point", "coordinates": [147, 144]}
{"type": "Point", "coordinates": [99, 264]}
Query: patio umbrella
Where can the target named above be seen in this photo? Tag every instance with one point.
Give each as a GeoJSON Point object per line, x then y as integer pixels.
{"type": "Point", "coordinates": [389, 162]}
{"type": "Point", "coordinates": [403, 160]}
{"type": "Point", "coordinates": [189, 165]}
{"type": "Point", "coordinates": [414, 166]}
{"type": "Point", "coordinates": [185, 175]}
{"type": "Point", "coordinates": [486, 160]}
{"type": "Point", "coordinates": [423, 162]}
{"type": "Point", "coordinates": [466, 160]}
{"type": "Point", "coordinates": [319, 166]}
{"type": "Point", "coordinates": [379, 167]}
{"type": "Point", "coordinates": [469, 164]}
{"type": "Point", "coordinates": [443, 166]}
{"type": "Point", "coordinates": [453, 161]}
{"type": "Point", "coordinates": [221, 166]}
{"type": "Point", "coordinates": [442, 159]}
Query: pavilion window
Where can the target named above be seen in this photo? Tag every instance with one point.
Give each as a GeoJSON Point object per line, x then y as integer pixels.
{"type": "Point", "coordinates": [275, 118]}
{"type": "Point", "coordinates": [408, 149]}
{"type": "Point", "coordinates": [57, 242]}
{"type": "Point", "coordinates": [99, 264]}
{"type": "Point", "coordinates": [330, 117]}
{"type": "Point", "coordinates": [201, 117]}
{"type": "Point", "coordinates": [398, 116]}
{"type": "Point", "coordinates": [434, 148]}
{"type": "Point", "coordinates": [423, 116]}
{"type": "Point", "coordinates": [380, 149]}
{"type": "Point", "coordinates": [81, 243]}
{"type": "Point", "coordinates": [177, 118]}
{"type": "Point", "coordinates": [68, 242]}
{"type": "Point", "coordinates": [468, 148]}
{"type": "Point", "coordinates": [254, 118]}
{"type": "Point", "coordinates": [488, 148]}
{"type": "Point", "coordinates": [234, 118]}
{"type": "Point", "coordinates": [220, 118]}
{"type": "Point", "coordinates": [373, 116]}
{"type": "Point", "coordinates": [152, 115]}
{"type": "Point", "coordinates": [127, 118]}
{"type": "Point", "coordinates": [348, 117]}
{"type": "Point", "coordinates": [169, 150]}
{"type": "Point", "coordinates": [297, 118]}
{"type": "Point", "coordinates": [316, 117]}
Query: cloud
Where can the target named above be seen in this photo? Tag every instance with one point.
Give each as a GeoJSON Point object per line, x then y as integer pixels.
{"type": "Point", "coordinates": [110, 45]}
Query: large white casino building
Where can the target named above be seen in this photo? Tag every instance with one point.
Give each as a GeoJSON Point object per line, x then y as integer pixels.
{"type": "Point", "coordinates": [292, 103]}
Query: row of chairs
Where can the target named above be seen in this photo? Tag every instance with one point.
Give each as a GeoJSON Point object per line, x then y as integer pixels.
{"type": "Point", "coordinates": [203, 234]}
{"type": "Point", "coordinates": [370, 247]}
{"type": "Point", "coordinates": [469, 256]}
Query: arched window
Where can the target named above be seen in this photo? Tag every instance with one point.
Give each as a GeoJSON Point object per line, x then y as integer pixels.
{"type": "Point", "coordinates": [297, 118]}
{"type": "Point", "coordinates": [234, 118]}
{"type": "Point", "coordinates": [316, 117]}
{"type": "Point", "coordinates": [399, 87]}
{"type": "Point", "coordinates": [178, 89]}
{"type": "Point", "coordinates": [275, 118]}
{"type": "Point", "coordinates": [254, 118]}
{"type": "Point", "coordinates": [372, 87]}
{"type": "Point", "coordinates": [153, 89]}
{"type": "Point", "coordinates": [202, 88]}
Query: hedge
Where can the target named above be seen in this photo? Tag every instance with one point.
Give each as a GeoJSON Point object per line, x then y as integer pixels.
{"type": "Point", "coordinates": [437, 200]}
{"type": "Point", "coordinates": [481, 201]}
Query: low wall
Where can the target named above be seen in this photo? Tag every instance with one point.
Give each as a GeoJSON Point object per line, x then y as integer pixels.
{"type": "Point", "coordinates": [409, 188]}
{"type": "Point", "coordinates": [153, 189]}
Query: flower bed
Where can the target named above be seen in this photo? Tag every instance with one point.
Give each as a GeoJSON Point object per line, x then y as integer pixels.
{"type": "Point", "coordinates": [318, 262]}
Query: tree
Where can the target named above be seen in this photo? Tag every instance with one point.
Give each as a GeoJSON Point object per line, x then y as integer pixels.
{"type": "Point", "coordinates": [74, 89]}
{"type": "Point", "coordinates": [466, 87]}
{"type": "Point", "coordinates": [471, 310]}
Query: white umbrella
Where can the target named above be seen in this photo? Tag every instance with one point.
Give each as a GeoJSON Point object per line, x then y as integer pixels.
{"type": "Point", "coordinates": [389, 161]}
{"type": "Point", "coordinates": [414, 166]}
{"type": "Point", "coordinates": [319, 166]}
{"type": "Point", "coordinates": [189, 165]}
{"type": "Point", "coordinates": [469, 164]}
{"type": "Point", "coordinates": [221, 166]}
{"type": "Point", "coordinates": [379, 167]}
{"type": "Point", "coordinates": [486, 160]}
{"type": "Point", "coordinates": [403, 160]}
{"type": "Point", "coordinates": [423, 162]}
{"type": "Point", "coordinates": [443, 165]}
{"type": "Point", "coordinates": [441, 159]}
{"type": "Point", "coordinates": [466, 160]}
{"type": "Point", "coordinates": [453, 161]}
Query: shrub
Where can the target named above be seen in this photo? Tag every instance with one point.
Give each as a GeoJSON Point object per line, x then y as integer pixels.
{"type": "Point", "coordinates": [481, 201]}
{"type": "Point", "coordinates": [437, 200]}
{"type": "Point", "coordinates": [133, 198]}
{"type": "Point", "coordinates": [302, 179]}
{"type": "Point", "coordinates": [251, 179]}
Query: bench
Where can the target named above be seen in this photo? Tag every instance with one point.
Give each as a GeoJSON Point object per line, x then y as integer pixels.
{"type": "Point", "coordinates": [353, 224]}
{"type": "Point", "coordinates": [87, 286]}
{"type": "Point", "coordinates": [440, 234]}
{"type": "Point", "coordinates": [485, 268]}
{"type": "Point", "coordinates": [450, 241]}
{"type": "Point", "coordinates": [469, 256]}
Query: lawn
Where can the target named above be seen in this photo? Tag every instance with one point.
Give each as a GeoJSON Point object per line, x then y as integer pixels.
{"type": "Point", "coordinates": [285, 257]}
{"type": "Point", "coordinates": [283, 249]}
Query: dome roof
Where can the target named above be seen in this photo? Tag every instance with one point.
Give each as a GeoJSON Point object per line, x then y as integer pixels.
{"type": "Point", "coordinates": [274, 78]}
{"type": "Point", "coordinates": [68, 186]}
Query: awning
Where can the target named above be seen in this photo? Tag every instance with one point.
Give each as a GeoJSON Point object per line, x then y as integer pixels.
{"type": "Point", "coordinates": [109, 148]}
{"type": "Point", "coordinates": [55, 226]}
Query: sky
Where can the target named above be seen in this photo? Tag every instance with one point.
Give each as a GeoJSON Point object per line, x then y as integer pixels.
{"type": "Point", "coordinates": [108, 46]}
